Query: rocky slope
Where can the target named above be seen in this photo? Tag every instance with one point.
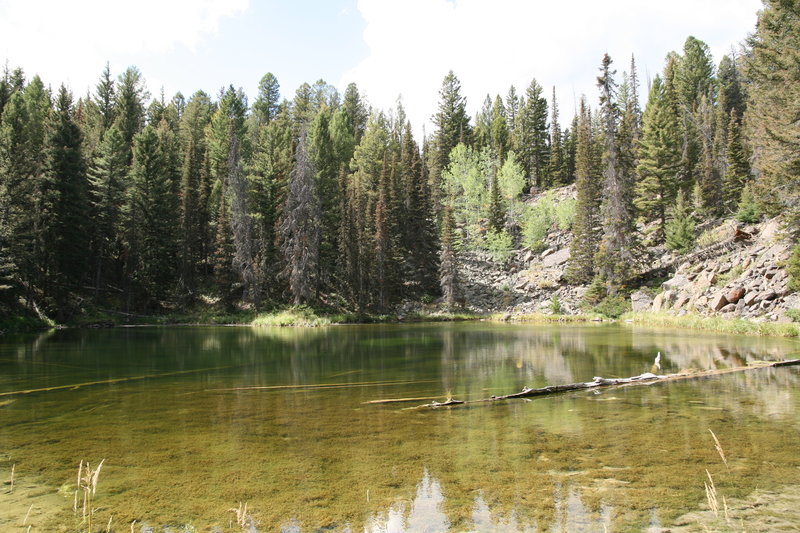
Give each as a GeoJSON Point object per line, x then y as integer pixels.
{"type": "Point", "coordinates": [735, 270]}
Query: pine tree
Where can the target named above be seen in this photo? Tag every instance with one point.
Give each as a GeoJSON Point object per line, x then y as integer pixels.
{"type": "Point", "coordinates": [482, 135]}
{"type": "Point", "coordinates": [107, 177]}
{"type": "Point", "coordinates": [556, 164]}
{"type": "Point", "coordinates": [343, 137]}
{"type": "Point", "coordinates": [17, 187]}
{"type": "Point", "coordinates": [695, 73]}
{"type": "Point", "coordinates": [100, 111]}
{"type": "Point", "coordinates": [512, 112]}
{"type": "Point", "coordinates": [710, 179]}
{"type": "Point", "coordinates": [420, 240]}
{"type": "Point", "coordinates": [301, 229]}
{"type": "Point", "coordinates": [730, 90]}
{"type": "Point", "coordinates": [448, 261]}
{"type": "Point", "coordinates": [531, 139]}
{"type": "Point", "coordinates": [499, 128]}
{"type": "Point", "coordinates": [323, 160]}
{"type": "Point", "coordinates": [616, 255]}
{"type": "Point", "coordinates": [497, 211]}
{"type": "Point", "coordinates": [271, 165]}
{"type": "Point", "coordinates": [356, 110]}
{"type": "Point", "coordinates": [32, 163]}
{"type": "Point", "coordinates": [230, 152]}
{"type": "Point", "coordinates": [129, 108]}
{"type": "Point", "coordinates": [660, 157]}
{"type": "Point", "coordinates": [587, 225]}
{"type": "Point", "coordinates": [737, 172]}
{"type": "Point", "coordinates": [67, 170]}
{"type": "Point", "coordinates": [385, 244]}
{"type": "Point", "coordinates": [680, 230]}
{"type": "Point", "coordinates": [194, 189]}
{"type": "Point", "coordinates": [265, 108]}
{"type": "Point", "coordinates": [452, 125]}
{"type": "Point", "coordinates": [773, 108]}
{"type": "Point", "coordinates": [570, 146]}
{"type": "Point", "coordinates": [153, 210]}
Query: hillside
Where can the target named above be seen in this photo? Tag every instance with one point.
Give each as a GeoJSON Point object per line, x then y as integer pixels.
{"type": "Point", "coordinates": [735, 270]}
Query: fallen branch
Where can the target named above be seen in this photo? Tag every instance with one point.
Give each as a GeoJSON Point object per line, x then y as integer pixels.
{"type": "Point", "coordinates": [109, 381]}
{"type": "Point", "coordinates": [599, 382]}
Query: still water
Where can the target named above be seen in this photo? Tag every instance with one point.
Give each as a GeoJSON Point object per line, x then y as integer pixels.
{"type": "Point", "coordinates": [194, 422]}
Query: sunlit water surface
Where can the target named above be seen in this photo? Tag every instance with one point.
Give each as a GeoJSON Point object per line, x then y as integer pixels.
{"type": "Point", "coordinates": [276, 418]}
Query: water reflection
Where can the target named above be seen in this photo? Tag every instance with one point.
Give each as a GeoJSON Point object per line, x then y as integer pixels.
{"type": "Point", "coordinates": [276, 418]}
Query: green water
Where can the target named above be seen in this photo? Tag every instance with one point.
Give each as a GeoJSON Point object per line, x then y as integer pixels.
{"type": "Point", "coordinates": [182, 449]}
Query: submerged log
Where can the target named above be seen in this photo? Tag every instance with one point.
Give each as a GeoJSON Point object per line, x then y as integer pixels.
{"type": "Point", "coordinates": [599, 382]}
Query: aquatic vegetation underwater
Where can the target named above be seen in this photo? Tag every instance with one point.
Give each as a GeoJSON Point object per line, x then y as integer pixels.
{"type": "Point", "coordinates": [276, 433]}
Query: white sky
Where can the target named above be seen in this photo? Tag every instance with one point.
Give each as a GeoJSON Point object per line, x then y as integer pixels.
{"type": "Point", "coordinates": [491, 45]}
{"type": "Point", "coordinates": [388, 47]}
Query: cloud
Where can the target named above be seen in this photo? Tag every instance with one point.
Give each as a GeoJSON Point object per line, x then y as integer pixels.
{"type": "Point", "coordinates": [70, 41]}
{"type": "Point", "coordinates": [492, 45]}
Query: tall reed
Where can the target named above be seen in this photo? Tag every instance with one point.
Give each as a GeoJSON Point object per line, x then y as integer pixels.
{"type": "Point", "coordinates": [87, 481]}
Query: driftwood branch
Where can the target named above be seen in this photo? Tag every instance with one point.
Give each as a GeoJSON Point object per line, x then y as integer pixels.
{"type": "Point", "coordinates": [599, 382]}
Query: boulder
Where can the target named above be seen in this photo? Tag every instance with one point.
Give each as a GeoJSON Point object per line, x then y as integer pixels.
{"type": "Point", "coordinates": [664, 301]}
{"type": "Point", "coordinates": [641, 301]}
{"type": "Point", "coordinates": [705, 280]}
{"type": "Point", "coordinates": [752, 297]}
{"type": "Point", "coordinates": [735, 294]}
{"type": "Point", "coordinates": [681, 301]}
{"type": "Point", "coordinates": [730, 308]}
{"type": "Point", "coordinates": [556, 258]}
{"type": "Point", "coordinates": [719, 301]}
{"type": "Point", "coordinates": [678, 282]}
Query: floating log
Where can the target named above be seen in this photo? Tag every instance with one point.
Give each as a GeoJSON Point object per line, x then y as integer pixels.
{"type": "Point", "coordinates": [647, 378]}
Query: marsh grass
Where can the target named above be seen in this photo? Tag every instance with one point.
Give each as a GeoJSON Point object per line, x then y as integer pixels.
{"type": "Point", "coordinates": [734, 326]}
{"type": "Point", "coordinates": [302, 316]}
{"type": "Point", "coordinates": [87, 481]}
{"type": "Point", "coordinates": [718, 446]}
{"type": "Point", "coordinates": [243, 518]}
{"type": "Point", "coordinates": [546, 318]}
{"type": "Point", "coordinates": [712, 496]}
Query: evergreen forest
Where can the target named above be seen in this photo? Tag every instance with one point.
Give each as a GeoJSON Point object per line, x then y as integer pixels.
{"type": "Point", "coordinates": [141, 203]}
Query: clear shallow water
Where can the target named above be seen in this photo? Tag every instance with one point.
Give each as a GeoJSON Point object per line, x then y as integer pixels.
{"type": "Point", "coordinates": [227, 415]}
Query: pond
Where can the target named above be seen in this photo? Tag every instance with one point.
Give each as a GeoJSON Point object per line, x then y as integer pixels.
{"type": "Point", "coordinates": [194, 423]}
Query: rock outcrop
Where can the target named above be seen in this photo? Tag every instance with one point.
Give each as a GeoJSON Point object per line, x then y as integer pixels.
{"type": "Point", "coordinates": [738, 273]}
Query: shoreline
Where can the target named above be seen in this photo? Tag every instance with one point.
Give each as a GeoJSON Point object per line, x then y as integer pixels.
{"type": "Point", "coordinates": [305, 317]}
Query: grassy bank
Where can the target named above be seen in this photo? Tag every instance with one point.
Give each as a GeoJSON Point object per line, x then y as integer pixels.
{"type": "Point", "coordinates": [23, 324]}
{"type": "Point", "coordinates": [308, 317]}
{"type": "Point", "coordinates": [547, 318]}
{"type": "Point", "coordinates": [292, 316]}
{"type": "Point", "coordinates": [733, 326]}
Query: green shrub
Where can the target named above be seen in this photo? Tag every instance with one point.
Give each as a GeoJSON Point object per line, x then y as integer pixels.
{"type": "Point", "coordinates": [499, 245]}
{"type": "Point", "coordinates": [565, 214]}
{"type": "Point", "coordinates": [595, 293]}
{"type": "Point", "coordinates": [613, 306]}
{"type": "Point", "coordinates": [537, 220]}
{"type": "Point", "coordinates": [793, 266]}
{"type": "Point", "coordinates": [680, 229]}
{"type": "Point", "coordinates": [555, 305]}
{"type": "Point", "coordinates": [748, 210]}
{"type": "Point", "coordinates": [710, 237]}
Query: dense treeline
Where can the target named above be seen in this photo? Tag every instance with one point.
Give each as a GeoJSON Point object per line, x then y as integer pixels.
{"type": "Point", "coordinates": [138, 202]}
